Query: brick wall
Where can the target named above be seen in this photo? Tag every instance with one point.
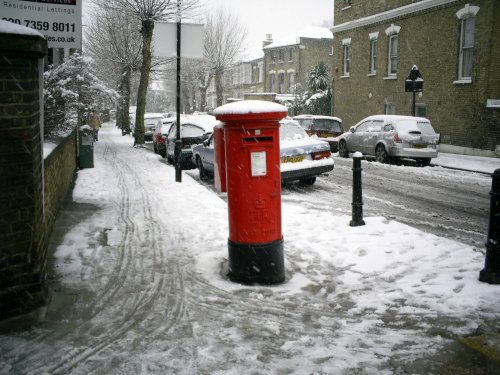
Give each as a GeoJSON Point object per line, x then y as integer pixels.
{"type": "Point", "coordinates": [429, 39]}
{"type": "Point", "coordinates": [25, 218]}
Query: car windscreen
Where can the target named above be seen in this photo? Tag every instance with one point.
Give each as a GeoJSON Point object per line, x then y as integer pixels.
{"type": "Point", "coordinates": [290, 131]}
{"type": "Point", "coordinates": [412, 126]}
{"type": "Point", "coordinates": [328, 125]}
{"type": "Point", "coordinates": [305, 123]}
{"type": "Point", "coordinates": [152, 120]}
{"type": "Point", "coordinates": [191, 131]}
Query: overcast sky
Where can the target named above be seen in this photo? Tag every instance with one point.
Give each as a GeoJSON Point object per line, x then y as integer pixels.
{"type": "Point", "coordinates": [277, 17]}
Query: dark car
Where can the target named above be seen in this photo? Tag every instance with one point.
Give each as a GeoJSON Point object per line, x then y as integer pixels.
{"type": "Point", "coordinates": [160, 136]}
{"type": "Point", "coordinates": [195, 129]}
{"type": "Point", "coordinates": [326, 128]}
{"type": "Point", "coordinates": [302, 158]}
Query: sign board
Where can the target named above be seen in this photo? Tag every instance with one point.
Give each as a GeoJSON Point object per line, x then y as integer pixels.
{"type": "Point", "coordinates": [60, 21]}
{"type": "Point", "coordinates": [258, 163]}
{"type": "Point", "coordinates": [165, 40]}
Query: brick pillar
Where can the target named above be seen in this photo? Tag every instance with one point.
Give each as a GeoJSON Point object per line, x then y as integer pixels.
{"type": "Point", "coordinates": [23, 244]}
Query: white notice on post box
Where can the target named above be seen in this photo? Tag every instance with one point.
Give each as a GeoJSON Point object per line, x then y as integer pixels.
{"type": "Point", "coordinates": [258, 160]}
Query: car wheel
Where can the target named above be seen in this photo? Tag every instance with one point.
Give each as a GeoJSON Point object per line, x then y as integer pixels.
{"type": "Point", "coordinates": [203, 172]}
{"type": "Point", "coordinates": [170, 159]}
{"type": "Point", "coordinates": [308, 181]}
{"type": "Point", "coordinates": [343, 152]}
{"type": "Point", "coordinates": [423, 162]}
{"type": "Point", "coordinates": [162, 153]}
{"type": "Point", "coordinates": [381, 154]}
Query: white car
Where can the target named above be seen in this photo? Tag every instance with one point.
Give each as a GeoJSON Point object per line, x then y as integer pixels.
{"type": "Point", "coordinates": [389, 137]}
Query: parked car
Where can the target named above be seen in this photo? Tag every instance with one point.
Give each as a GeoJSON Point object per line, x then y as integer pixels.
{"type": "Point", "coordinates": [326, 128]}
{"type": "Point", "coordinates": [160, 136]}
{"type": "Point", "coordinates": [390, 136]}
{"type": "Point", "coordinates": [195, 129]}
{"type": "Point", "coordinates": [150, 121]}
{"type": "Point", "coordinates": [302, 158]}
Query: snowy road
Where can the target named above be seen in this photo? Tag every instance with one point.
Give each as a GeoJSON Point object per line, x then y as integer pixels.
{"type": "Point", "coordinates": [138, 284]}
{"type": "Point", "coordinates": [448, 203]}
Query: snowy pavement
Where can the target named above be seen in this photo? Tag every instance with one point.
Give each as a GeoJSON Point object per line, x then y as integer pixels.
{"type": "Point", "coordinates": [139, 288]}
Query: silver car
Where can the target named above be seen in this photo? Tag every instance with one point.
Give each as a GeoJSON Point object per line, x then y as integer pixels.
{"type": "Point", "coordinates": [302, 158]}
{"type": "Point", "coordinates": [390, 137]}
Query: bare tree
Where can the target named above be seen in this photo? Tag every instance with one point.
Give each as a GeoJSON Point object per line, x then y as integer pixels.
{"type": "Point", "coordinates": [115, 43]}
{"type": "Point", "coordinates": [224, 37]}
{"type": "Point", "coordinates": [147, 12]}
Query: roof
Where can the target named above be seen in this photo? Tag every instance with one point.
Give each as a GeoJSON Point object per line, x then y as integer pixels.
{"type": "Point", "coordinates": [318, 117]}
{"type": "Point", "coordinates": [393, 118]}
{"type": "Point", "coordinates": [206, 122]}
{"type": "Point", "coordinates": [312, 32]}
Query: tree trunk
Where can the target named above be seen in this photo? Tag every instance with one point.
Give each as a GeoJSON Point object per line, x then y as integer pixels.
{"type": "Point", "coordinates": [219, 87]}
{"type": "Point", "coordinates": [147, 36]}
{"type": "Point", "coordinates": [122, 113]}
{"type": "Point", "coordinates": [204, 83]}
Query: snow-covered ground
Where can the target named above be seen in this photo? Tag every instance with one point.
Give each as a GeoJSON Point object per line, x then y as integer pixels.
{"type": "Point", "coordinates": [467, 162]}
{"type": "Point", "coordinates": [144, 269]}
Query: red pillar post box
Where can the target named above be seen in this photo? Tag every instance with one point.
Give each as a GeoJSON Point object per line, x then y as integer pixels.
{"type": "Point", "coordinates": [253, 179]}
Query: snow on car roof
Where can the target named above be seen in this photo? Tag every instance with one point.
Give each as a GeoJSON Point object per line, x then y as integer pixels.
{"type": "Point", "coordinates": [318, 117]}
{"type": "Point", "coordinates": [249, 106]}
{"type": "Point", "coordinates": [395, 118]}
{"type": "Point", "coordinates": [207, 122]}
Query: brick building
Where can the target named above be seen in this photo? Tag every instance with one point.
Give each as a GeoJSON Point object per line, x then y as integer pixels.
{"type": "Point", "coordinates": [288, 61]}
{"type": "Point", "coordinates": [454, 43]}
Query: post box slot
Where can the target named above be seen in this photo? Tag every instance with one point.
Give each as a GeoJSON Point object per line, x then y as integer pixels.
{"type": "Point", "coordinates": [253, 140]}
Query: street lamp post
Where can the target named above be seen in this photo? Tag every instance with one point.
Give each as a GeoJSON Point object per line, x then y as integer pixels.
{"type": "Point", "coordinates": [414, 83]}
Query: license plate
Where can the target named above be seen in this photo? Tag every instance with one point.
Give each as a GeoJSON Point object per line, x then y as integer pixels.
{"type": "Point", "coordinates": [419, 146]}
{"type": "Point", "coordinates": [293, 159]}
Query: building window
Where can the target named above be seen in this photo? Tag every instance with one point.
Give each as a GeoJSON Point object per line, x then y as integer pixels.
{"type": "Point", "coordinates": [290, 54]}
{"type": "Point", "coordinates": [291, 81]}
{"type": "Point", "coordinates": [281, 79]}
{"type": "Point", "coordinates": [466, 15]}
{"type": "Point", "coordinates": [390, 108]}
{"type": "Point", "coordinates": [373, 56]}
{"type": "Point", "coordinates": [282, 55]}
{"type": "Point", "coordinates": [272, 82]}
{"type": "Point", "coordinates": [273, 56]}
{"type": "Point", "coordinates": [393, 54]}
{"type": "Point", "coordinates": [392, 59]}
{"type": "Point", "coordinates": [420, 110]}
{"type": "Point", "coordinates": [346, 46]}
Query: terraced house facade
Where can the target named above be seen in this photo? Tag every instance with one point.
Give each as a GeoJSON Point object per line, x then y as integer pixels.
{"type": "Point", "coordinates": [454, 43]}
{"type": "Point", "coordinates": [288, 61]}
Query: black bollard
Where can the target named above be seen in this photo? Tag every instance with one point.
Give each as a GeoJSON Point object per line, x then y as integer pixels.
{"type": "Point", "coordinates": [357, 194]}
{"type": "Point", "coordinates": [491, 272]}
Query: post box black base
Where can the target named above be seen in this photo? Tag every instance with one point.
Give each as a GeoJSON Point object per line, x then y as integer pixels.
{"type": "Point", "coordinates": [491, 272]}
{"type": "Point", "coordinates": [256, 263]}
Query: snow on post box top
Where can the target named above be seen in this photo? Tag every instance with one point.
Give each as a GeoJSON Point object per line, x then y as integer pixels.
{"type": "Point", "coordinates": [250, 110]}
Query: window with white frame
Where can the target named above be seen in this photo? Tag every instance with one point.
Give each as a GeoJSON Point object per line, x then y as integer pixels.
{"type": "Point", "coordinates": [346, 47]}
{"type": "Point", "coordinates": [281, 80]}
{"type": "Point", "coordinates": [372, 69]}
{"type": "Point", "coordinates": [392, 33]}
{"type": "Point", "coordinates": [466, 15]}
{"type": "Point", "coordinates": [272, 82]}
{"type": "Point", "coordinates": [291, 80]}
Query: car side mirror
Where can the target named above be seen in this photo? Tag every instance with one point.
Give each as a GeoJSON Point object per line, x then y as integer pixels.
{"type": "Point", "coordinates": [205, 143]}
{"type": "Point", "coordinates": [352, 129]}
